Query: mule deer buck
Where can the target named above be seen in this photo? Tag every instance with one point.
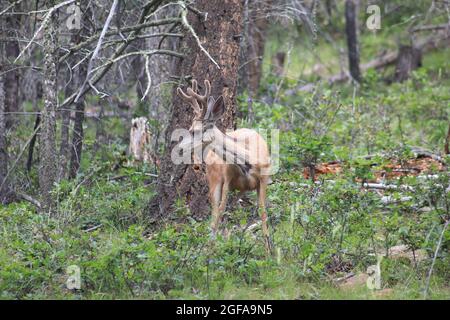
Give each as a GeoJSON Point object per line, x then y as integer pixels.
{"type": "Point", "coordinates": [237, 160]}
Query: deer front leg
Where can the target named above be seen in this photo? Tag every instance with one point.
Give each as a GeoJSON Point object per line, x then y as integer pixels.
{"type": "Point", "coordinates": [262, 208]}
{"type": "Point", "coordinates": [215, 197]}
{"type": "Point", "coordinates": [223, 202]}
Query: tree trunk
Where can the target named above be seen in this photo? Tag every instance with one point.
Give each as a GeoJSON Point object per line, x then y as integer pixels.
{"type": "Point", "coordinates": [78, 134]}
{"type": "Point", "coordinates": [11, 85]}
{"type": "Point", "coordinates": [255, 31]}
{"type": "Point", "coordinates": [409, 59]}
{"type": "Point", "coordinates": [352, 39]}
{"type": "Point", "coordinates": [3, 146]}
{"type": "Point", "coordinates": [71, 86]}
{"type": "Point", "coordinates": [160, 66]}
{"type": "Point", "coordinates": [218, 34]}
{"type": "Point", "coordinates": [447, 141]}
{"type": "Point", "coordinates": [65, 151]}
{"type": "Point", "coordinates": [48, 157]}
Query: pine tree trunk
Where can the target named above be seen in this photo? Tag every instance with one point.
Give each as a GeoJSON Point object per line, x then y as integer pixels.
{"type": "Point", "coordinates": [48, 156]}
{"type": "Point", "coordinates": [219, 35]}
{"type": "Point", "coordinates": [352, 39]}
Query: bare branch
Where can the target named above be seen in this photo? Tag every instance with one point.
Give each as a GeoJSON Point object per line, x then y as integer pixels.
{"type": "Point", "coordinates": [43, 24]}
{"type": "Point", "coordinates": [97, 48]}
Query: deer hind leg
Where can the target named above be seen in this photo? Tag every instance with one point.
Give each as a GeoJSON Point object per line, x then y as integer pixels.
{"type": "Point", "coordinates": [262, 208]}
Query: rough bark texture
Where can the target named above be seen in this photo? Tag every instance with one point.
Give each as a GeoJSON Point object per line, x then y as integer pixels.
{"type": "Point", "coordinates": [352, 39]}
{"type": "Point", "coordinates": [48, 157]}
{"type": "Point", "coordinates": [219, 35]}
{"type": "Point", "coordinates": [71, 86]}
{"type": "Point", "coordinates": [12, 77]}
{"type": "Point", "coordinates": [447, 141]}
{"type": "Point", "coordinates": [77, 133]}
{"type": "Point", "coordinates": [3, 150]}
{"type": "Point", "coordinates": [255, 30]}
{"type": "Point", "coordinates": [409, 59]}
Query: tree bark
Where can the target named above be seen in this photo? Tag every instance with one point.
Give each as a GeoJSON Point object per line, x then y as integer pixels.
{"type": "Point", "coordinates": [352, 39]}
{"type": "Point", "coordinates": [78, 134]}
{"type": "Point", "coordinates": [66, 152]}
{"type": "Point", "coordinates": [12, 77]}
{"type": "Point", "coordinates": [409, 59]}
{"type": "Point", "coordinates": [255, 31]}
{"type": "Point", "coordinates": [3, 145]}
{"type": "Point", "coordinates": [447, 141]}
{"type": "Point", "coordinates": [219, 35]}
{"type": "Point", "coordinates": [48, 157]}
{"type": "Point", "coordinates": [71, 86]}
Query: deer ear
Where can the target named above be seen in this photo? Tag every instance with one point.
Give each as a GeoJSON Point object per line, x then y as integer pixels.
{"type": "Point", "coordinates": [217, 109]}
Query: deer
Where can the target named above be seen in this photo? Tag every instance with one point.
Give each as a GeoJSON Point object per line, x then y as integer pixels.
{"type": "Point", "coordinates": [235, 160]}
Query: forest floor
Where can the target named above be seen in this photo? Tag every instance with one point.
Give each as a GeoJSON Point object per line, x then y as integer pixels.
{"type": "Point", "coordinates": [326, 234]}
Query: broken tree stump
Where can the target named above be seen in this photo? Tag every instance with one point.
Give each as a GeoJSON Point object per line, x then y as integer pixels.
{"type": "Point", "coordinates": [409, 59]}
{"type": "Point", "coordinates": [140, 141]}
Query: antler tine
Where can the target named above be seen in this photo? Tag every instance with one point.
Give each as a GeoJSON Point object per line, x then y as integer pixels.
{"type": "Point", "coordinates": [198, 111]}
{"type": "Point", "coordinates": [202, 98]}
{"type": "Point", "coordinates": [194, 85]}
{"type": "Point", "coordinates": [207, 89]}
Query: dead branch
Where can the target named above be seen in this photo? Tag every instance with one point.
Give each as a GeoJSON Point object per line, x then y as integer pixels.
{"type": "Point", "coordinates": [97, 49]}
{"type": "Point", "coordinates": [29, 199]}
{"type": "Point", "coordinates": [151, 5]}
{"type": "Point", "coordinates": [443, 26]}
{"type": "Point", "coordinates": [12, 5]}
{"type": "Point", "coordinates": [438, 247]}
{"type": "Point", "coordinates": [43, 24]}
{"type": "Point", "coordinates": [137, 27]}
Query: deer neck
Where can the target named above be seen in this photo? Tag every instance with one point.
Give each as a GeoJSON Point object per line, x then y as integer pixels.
{"type": "Point", "coordinates": [230, 149]}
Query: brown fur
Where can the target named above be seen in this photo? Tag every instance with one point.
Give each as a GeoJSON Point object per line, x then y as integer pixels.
{"type": "Point", "coordinates": [223, 177]}
{"type": "Point", "coordinates": [250, 167]}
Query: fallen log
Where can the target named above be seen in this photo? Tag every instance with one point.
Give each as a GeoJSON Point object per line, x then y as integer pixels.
{"type": "Point", "coordinates": [424, 45]}
{"type": "Point", "coordinates": [443, 26]}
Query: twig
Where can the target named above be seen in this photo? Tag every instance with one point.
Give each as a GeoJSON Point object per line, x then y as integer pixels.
{"type": "Point", "coordinates": [43, 24]}
{"type": "Point", "coordinates": [118, 52]}
{"type": "Point", "coordinates": [29, 199]}
{"type": "Point", "coordinates": [427, 286]}
{"type": "Point", "coordinates": [18, 157]}
{"type": "Point", "coordinates": [97, 49]}
{"type": "Point", "coordinates": [149, 78]}
{"type": "Point", "coordinates": [123, 30]}
{"type": "Point", "coordinates": [147, 53]}
{"type": "Point", "coordinates": [11, 6]}
{"type": "Point", "coordinates": [93, 228]}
